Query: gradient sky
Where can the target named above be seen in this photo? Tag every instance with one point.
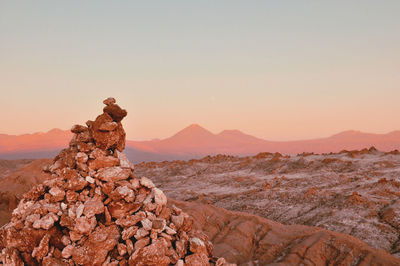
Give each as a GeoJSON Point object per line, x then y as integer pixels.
{"type": "Point", "coordinates": [275, 69]}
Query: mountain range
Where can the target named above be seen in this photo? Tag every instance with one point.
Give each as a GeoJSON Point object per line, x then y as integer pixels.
{"type": "Point", "coordinates": [195, 141]}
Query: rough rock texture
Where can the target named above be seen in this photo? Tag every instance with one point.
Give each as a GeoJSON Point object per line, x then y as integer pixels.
{"type": "Point", "coordinates": [94, 211]}
{"type": "Point", "coordinates": [351, 192]}
{"type": "Point", "coordinates": [246, 239]}
{"type": "Point", "coordinates": [13, 186]}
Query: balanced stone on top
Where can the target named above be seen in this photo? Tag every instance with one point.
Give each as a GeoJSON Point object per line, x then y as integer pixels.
{"type": "Point", "coordinates": [109, 101]}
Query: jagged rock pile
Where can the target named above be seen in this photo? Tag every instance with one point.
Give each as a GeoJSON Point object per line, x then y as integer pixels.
{"type": "Point", "coordinates": [95, 211]}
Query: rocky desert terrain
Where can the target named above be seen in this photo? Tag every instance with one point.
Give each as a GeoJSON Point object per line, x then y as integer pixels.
{"type": "Point", "coordinates": [352, 192]}
{"type": "Point", "coordinates": [249, 239]}
{"type": "Point", "coordinates": [91, 206]}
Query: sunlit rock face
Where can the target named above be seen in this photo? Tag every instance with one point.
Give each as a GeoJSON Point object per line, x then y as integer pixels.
{"type": "Point", "coordinates": [93, 210]}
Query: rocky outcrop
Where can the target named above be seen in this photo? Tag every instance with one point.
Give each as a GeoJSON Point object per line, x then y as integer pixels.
{"type": "Point", "coordinates": [251, 240]}
{"type": "Point", "coordinates": [94, 211]}
{"type": "Point", "coordinates": [354, 193]}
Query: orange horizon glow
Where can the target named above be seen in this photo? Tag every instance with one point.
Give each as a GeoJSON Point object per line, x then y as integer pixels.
{"type": "Point", "coordinates": [275, 71]}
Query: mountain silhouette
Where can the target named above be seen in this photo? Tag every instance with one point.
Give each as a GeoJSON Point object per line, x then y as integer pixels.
{"type": "Point", "coordinates": [195, 141]}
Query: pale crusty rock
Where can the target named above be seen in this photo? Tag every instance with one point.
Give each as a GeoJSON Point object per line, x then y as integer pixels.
{"type": "Point", "coordinates": [97, 153]}
{"type": "Point", "coordinates": [81, 157]}
{"type": "Point", "coordinates": [159, 197]}
{"type": "Point", "coordinates": [141, 232]}
{"type": "Point", "coordinates": [65, 240]}
{"type": "Point", "coordinates": [125, 193]}
{"type": "Point", "coordinates": [46, 222]}
{"type": "Point", "coordinates": [178, 220]}
{"type": "Point", "coordinates": [82, 225]}
{"type": "Point", "coordinates": [179, 263]}
{"type": "Point", "coordinates": [90, 179]}
{"type": "Point", "coordinates": [124, 161]}
{"type": "Point", "coordinates": [197, 246]}
{"type": "Point", "coordinates": [67, 251]}
{"type": "Point", "coordinates": [79, 210]}
{"type": "Point", "coordinates": [169, 230]}
{"type": "Point", "coordinates": [93, 206]}
{"type": "Point", "coordinates": [57, 193]}
{"type": "Point", "coordinates": [108, 126]}
{"type": "Point", "coordinates": [113, 174]}
{"type": "Point", "coordinates": [76, 183]}
{"type": "Point", "coordinates": [146, 224]}
{"type": "Point", "coordinates": [32, 218]}
{"type": "Point", "coordinates": [144, 181]}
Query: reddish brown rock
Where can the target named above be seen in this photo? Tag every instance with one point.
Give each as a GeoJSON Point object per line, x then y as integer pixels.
{"type": "Point", "coordinates": [94, 250]}
{"type": "Point", "coordinates": [102, 162]}
{"type": "Point", "coordinates": [93, 206]}
{"type": "Point", "coordinates": [113, 174]}
{"type": "Point", "coordinates": [116, 112]}
{"type": "Point", "coordinates": [121, 209]}
{"type": "Point", "coordinates": [108, 126]}
{"type": "Point", "coordinates": [107, 139]}
{"type": "Point", "coordinates": [41, 251]}
{"type": "Point", "coordinates": [57, 194]}
{"type": "Point", "coordinates": [109, 101]}
{"type": "Point", "coordinates": [154, 254]}
{"type": "Point", "coordinates": [78, 129]}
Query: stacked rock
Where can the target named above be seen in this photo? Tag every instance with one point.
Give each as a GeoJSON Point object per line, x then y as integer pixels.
{"type": "Point", "coordinates": [95, 211]}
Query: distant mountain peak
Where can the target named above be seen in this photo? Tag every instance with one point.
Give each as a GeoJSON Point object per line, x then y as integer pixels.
{"type": "Point", "coordinates": [57, 130]}
{"type": "Point", "coordinates": [193, 130]}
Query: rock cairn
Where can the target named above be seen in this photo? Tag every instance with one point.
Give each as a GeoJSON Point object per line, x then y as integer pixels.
{"type": "Point", "coordinates": [95, 211]}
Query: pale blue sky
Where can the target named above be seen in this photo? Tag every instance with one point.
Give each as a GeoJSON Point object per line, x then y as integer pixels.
{"type": "Point", "coordinates": [274, 69]}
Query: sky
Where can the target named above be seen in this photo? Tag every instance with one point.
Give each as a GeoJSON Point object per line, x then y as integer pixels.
{"type": "Point", "coordinates": [279, 70]}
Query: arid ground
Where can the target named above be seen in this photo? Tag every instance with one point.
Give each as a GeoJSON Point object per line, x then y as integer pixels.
{"type": "Point", "coordinates": [355, 193]}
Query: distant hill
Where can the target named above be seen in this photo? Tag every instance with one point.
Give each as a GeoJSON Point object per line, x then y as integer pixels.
{"type": "Point", "coordinates": [195, 141]}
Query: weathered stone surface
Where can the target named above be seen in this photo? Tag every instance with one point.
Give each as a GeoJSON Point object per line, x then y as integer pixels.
{"type": "Point", "coordinates": [154, 254]}
{"type": "Point", "coordinates": [102, 162]}
{"type": "Point", "coordinates": [159, 197]}
{"type": "Point", "coordinates": [113, 174]}
{"type": "Point", "coordinates": [93, 206]}
{"type": "Point", "coordinates": [108, 126]}
{"type": "Point", "coordinates": [124, 161]}
{"type": "Point", "coordinates": [107, 139]}
{"type": "Point", "coordinates": [41, 251]}
{"type": "Point", "coordinates": [57, 194]}
{"type": "Point", "coordinates": [116, 112]}
{"type": "Point", "coordinates": [94, 250]}
{"type": "Point", "coordinates": [78, 129]}
{"type": "Point", "coordinates": [121, 209]}
{"type": "Point", "coordinates": [144, 181]}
